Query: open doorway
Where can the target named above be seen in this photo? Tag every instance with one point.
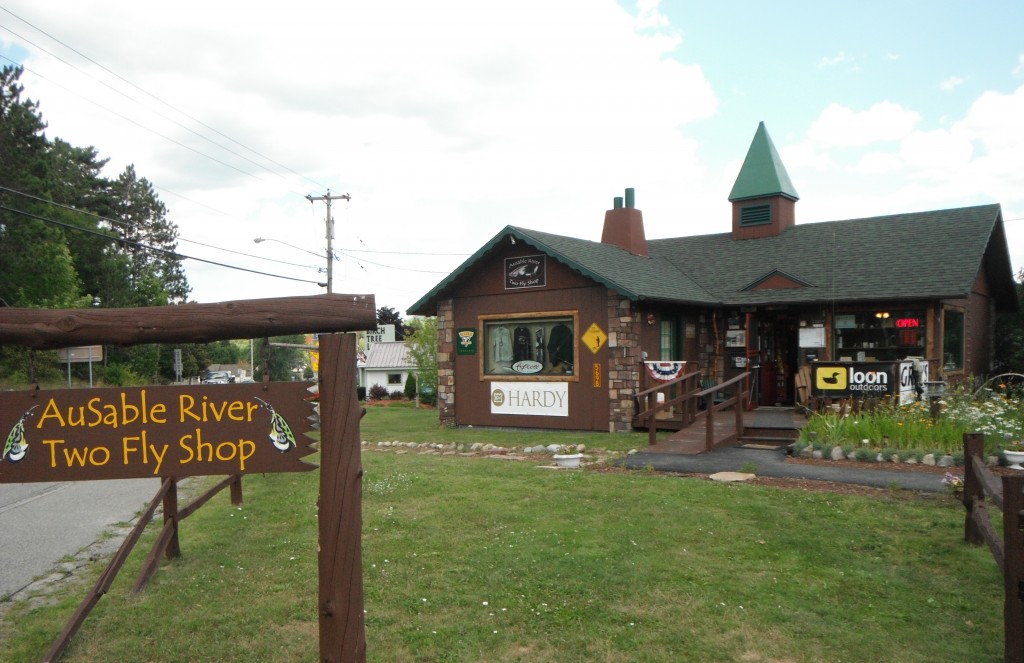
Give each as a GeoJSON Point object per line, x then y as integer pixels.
{"type": "Point", "coordinates": [773, 357]}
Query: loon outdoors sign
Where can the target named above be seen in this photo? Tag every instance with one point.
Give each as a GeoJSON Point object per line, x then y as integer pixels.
{"type": "Point", "coordinates": [180, 431]}
{"type": "Point", "coordinates": [863, 379]}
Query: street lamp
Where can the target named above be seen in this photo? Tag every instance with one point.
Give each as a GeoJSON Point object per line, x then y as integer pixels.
{"type": "Point", "coordinates": [259, 240]}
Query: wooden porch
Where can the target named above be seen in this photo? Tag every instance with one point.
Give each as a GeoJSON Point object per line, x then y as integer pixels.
{"type": "Point", "coordinates": [706, 416]}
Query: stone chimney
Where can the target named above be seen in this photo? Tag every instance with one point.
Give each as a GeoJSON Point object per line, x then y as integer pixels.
{"type": "Point", "coordinates": [624, 226]}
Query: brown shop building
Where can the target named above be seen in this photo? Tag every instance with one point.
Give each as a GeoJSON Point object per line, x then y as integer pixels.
{"type": "Point", "coordinates": [539, 330]}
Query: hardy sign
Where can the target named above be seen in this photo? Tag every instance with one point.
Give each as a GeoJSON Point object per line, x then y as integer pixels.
{"type": "Point", "coordinates": [115, 433]}
{"type": "Point", "coordinates": [547, 399]}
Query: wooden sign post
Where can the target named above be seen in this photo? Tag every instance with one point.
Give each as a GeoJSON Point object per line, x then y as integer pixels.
{"type": "Point", "coordinates": [179, 431]}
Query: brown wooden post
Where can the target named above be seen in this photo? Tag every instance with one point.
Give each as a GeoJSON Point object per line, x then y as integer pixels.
{"type": "Point", "coordinates": [1013, 569]}
{"type": "Point", "coordinates": [974, 493]}
{"type": "Point", "coordinates": [342, 627]}
{"type": "Point", "coordinates": [741, 405]}
{"type": "Point", "coordinates": [173, 548]}
{"type": "Point", "coordinates": [709, 432]}
{"type": "Point", "coordinates": [236, 490]}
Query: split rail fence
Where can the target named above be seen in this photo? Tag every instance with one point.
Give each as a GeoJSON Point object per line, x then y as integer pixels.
{"type": "Point", "coordinates": [166, 543]}
{"type": "Point", "coordinates": [1007, 495]}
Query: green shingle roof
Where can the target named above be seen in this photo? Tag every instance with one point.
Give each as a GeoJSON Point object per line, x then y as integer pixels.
{"type": "Point", "coordinates": [762, 173]}
{"type": "Point", "coordinates": [924, 255]}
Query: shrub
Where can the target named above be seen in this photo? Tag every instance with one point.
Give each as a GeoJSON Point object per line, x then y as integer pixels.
{"type": "Point", "coordinates": [397, 395]}
{"type": "Point", "coordinates": [378, 392]}
{"type": "Point", "coordinates": [866, 455]}
{"type": "Point", "coordinates": [361, 393]}
{"type": "Point", "coordinates": [410, 386]}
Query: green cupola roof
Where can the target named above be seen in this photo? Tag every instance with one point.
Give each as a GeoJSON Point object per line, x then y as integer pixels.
{"type": "Point", "coordinates": [762, 173]}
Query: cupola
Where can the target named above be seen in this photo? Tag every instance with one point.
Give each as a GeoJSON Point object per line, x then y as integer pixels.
{"type": "Point", "coordinates": [763, 197]}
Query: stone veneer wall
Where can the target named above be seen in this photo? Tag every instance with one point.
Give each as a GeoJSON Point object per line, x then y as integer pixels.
{"type": "Point", "coordinates": [624, 362]}
{"type": "Point", "coordinates": [446, 362]}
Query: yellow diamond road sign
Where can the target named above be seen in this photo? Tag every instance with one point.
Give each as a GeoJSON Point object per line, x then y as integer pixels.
{"type": "Point", "coordinates": [594, 338]}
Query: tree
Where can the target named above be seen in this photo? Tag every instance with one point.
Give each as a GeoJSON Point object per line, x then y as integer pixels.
{"type": "Point", "coordinates": [35, 265]}
{"type": "Point", "coordinates": [149, 241]}
{"type": "Point", "coordinates": [1010, 335]}
{"type": "Point", "coordinates": [284, 361]}
{"type": "Point", "coordinates": [422, 344]}
{"type": "Point", "coordinates": [389, 316]}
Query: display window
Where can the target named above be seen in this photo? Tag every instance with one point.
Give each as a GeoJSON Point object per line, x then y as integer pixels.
{"type": "Point", "coordinates": [539, 345]}
{"type": "Point", "coordinates": [952, 340]}
{"type": "Point", "coordinates": [880, 335]}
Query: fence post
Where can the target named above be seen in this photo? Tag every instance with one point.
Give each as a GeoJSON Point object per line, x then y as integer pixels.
{"type": "Point", "coordinates": [170, 507]}
{"type": "Point", "coordinates": [1013, 569]}
{"type": "Point", "coordinates": [974, 449]}
{"type": "Point", "coordinates": [236, 490]}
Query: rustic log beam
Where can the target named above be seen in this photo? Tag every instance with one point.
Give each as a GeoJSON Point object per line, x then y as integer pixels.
{"type": "Point", "coordinates": [47, 329]}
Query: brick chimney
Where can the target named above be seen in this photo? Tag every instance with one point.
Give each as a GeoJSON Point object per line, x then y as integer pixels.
{"type": "Point", "coordinates": [624, 226]}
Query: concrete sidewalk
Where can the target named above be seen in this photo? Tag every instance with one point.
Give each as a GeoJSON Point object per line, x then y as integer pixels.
{"type": "Point", "coordinates": [772, 463]}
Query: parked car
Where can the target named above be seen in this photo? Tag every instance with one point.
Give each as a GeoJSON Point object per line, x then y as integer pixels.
{"type": "Point", "coordinates": [218, 377]}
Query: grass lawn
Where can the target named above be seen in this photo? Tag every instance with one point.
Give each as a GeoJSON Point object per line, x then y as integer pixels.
{"type": "Point", "coordinates": [404, 423]}
{"type": "Point", "coordinates": [476, 559]}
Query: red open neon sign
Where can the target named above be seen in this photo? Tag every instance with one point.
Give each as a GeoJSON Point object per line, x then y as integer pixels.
{"type": "Point", "coordinates": [908, 323]}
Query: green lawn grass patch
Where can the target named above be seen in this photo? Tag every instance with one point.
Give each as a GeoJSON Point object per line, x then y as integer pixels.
{"type": "Point", "coordinates": [476, 559]}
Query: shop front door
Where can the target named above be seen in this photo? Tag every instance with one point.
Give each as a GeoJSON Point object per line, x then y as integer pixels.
{"type": "Point", "coordinates": [775, 360]}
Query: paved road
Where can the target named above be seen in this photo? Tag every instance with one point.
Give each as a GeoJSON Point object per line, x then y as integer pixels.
{"type": "Point", "coordinates": [42, 522]}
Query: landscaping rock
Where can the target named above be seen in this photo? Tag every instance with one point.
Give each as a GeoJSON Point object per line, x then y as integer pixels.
{"type": "Point", "coordinates": [731, 477]}
{"type": "Point", "coordinates": [929, 459]}
{"type": "Point", "coordinates": [806, 452]}
{"type": "Point", "coordinates": [945, 461]}
{"type": "Point", "coordinates": [817, 453]}
{"type": "Point", "coordinates": [837, 453]}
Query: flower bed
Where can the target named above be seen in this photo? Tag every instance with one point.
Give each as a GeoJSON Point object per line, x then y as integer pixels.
{"type": "Point", "coordinates": [909, 431]}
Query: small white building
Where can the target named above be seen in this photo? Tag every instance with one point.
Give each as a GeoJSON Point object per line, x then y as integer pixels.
{"type": "Point", "coordinates": [388, 364]}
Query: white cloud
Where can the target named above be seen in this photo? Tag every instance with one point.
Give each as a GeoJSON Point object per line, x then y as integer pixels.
{"type": "Point", "coordinates": [952, 83]}
{"type": "Point", "coordinates": [831, 61]}
{"type": "Point", "coordinates": [839, 126]}
{"type": "Point", "coordinates": [445, 121]}
{"type": "Point", "coordinates": [1019, 69]}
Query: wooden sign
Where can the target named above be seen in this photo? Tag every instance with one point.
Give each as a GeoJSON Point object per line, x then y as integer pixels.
{"type": "Point", "coordinates": [136, 432]}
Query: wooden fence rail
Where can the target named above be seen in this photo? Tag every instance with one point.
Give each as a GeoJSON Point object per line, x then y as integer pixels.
{"type": "Point", "coordinates": [166, 543]}
{"type": "Point", "coordinates": [1007, 495]}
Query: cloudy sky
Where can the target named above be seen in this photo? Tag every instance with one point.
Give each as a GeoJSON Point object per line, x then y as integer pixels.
{"type": "Point", "coordinates": [445, 121]}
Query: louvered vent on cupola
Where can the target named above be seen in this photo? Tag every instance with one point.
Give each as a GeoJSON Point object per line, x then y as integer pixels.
{"type": "Point", "coordinates": [755, 215]}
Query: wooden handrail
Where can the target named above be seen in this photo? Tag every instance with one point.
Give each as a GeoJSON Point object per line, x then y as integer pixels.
{"type": "Point", "coordinates": [687, 400]}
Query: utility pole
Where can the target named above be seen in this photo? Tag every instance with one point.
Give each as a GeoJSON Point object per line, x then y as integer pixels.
{"type": "Point", "coordinates": [330, 233]}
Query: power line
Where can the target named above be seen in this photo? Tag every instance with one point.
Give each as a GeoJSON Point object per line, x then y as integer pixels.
{"type": "Point", "coordinates": [118, 222]}
{"type": "Point", "coordinates": [152, 96]}
{"type": "Point", "coordinates": [155, 249]}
